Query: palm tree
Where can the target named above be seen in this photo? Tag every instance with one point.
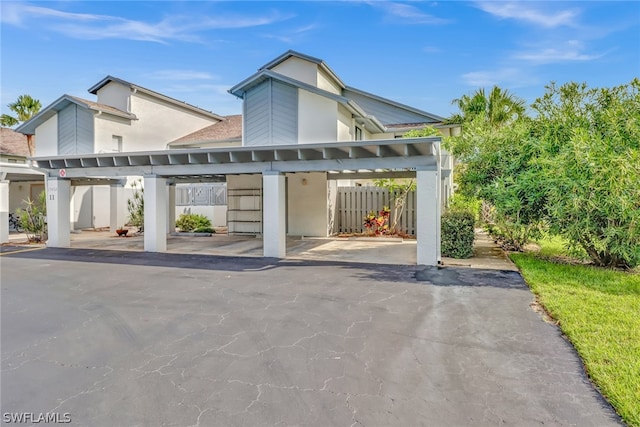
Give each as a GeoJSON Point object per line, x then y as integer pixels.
{"type": "Point", "coordinates": [499, 108]}
{"type": "Point", "coordinates": [24, 108]}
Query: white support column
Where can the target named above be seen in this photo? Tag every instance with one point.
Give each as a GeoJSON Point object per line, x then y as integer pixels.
{"type": "Point", "coordinates": [428, 216]}
{"type": "Point", "coordinates": [274, 205]}
{"type": "Point", "coordinates": [171, 217]}
{"type": "Point", "coordinates": [117, 217]}
{"type": "Point", "coordinates": [58, 212]}
{"type": "Point", "coordinates": [155, 214]}
{"type": "Point", "coordinates": [4, 211]}
{"type": "Point", "coordinates": [332, 206]}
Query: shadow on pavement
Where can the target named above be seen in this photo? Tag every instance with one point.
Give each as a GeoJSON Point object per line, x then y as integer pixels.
{"type": "Point", "coordinates": [460, 276]}
{"type": "Point", "coordinates": [447, 276]}
{"type": "Point", "coordinates": [380, 272]}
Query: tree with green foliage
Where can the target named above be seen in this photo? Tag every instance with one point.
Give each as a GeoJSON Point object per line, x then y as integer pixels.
{"type": "Point", "coordinates": [24, 108]}
{"type": "Point", "coordinates": [591, 168]}
{"type": "Point", "coordinates": [495, 166]}
{"type": "Point", "coordinates": [574, 168]}
{"type": "Point", "coordinates": [498, 108]}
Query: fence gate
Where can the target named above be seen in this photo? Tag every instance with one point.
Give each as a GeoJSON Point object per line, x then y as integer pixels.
{"type": "Point", "coordinates": [354, 203]}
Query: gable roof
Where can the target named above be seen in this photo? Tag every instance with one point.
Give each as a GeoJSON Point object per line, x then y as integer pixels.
{"type": "Point", "coordinates": [229, 129]}
{"type": "Point", "coordinates": [380, 113]}
{"type": "Point", "coordinates": [29, 127]}
{"type": "Point", "coordinates": [375, 112]}
{"type": "Point", "coordinates": [292, 53]}
{"type": "Point", "coordinates": [241, 88]}
{"type": "Point", "coordinates": [108, 79]}
{"type": "Point", "coordinates": [13, 143]}
{"type": "Point", "coordinates": [352, 92]}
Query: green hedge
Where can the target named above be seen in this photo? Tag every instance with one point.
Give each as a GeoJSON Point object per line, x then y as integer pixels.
{"type": "Point", "coordinates": [457, 234]}
{"type": "Point", "coordinates": [191, 222]}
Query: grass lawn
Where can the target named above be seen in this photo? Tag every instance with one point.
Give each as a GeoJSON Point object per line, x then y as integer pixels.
{"type": "Point", "coordinates": [599, 311]}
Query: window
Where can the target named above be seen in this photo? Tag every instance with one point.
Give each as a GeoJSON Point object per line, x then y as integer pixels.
{"type": "Point", "coordinates": [358, 134]}
{"type": "Point", "coordinates": [116, 144]}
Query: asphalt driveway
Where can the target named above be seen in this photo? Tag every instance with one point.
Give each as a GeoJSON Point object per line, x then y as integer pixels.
{"type": "Point", "coordinates": [120, 338]}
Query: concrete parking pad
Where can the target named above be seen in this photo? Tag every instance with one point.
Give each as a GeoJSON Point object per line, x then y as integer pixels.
{"type": "Point", "coordinates": [368, 250]}
{"type": "Point", "coordinates": [134, 338]}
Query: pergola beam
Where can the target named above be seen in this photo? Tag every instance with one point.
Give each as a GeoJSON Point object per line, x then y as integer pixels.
{"type": "Point", "coordinates": [398, 163]}
{"type": "Point", "coordinates": [372, 175]}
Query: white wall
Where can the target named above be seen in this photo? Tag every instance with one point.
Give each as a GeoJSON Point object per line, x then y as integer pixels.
{"type": "Point", "coordinates": [47, 137]}
{"type": "Point", "coordinates": [101, 206]}
{"type": "Point", "coordinates": [307, 72]}
{"type": "Point", "coordinates": [81, 207]}
{"type": "Point", "coordinates": [19, 192]}
{"type": "Point", "coordinates": [116, 95]}
{"type": "Point", "coordinates": [381, 135]}
{"type": "Point", "coordinates": [158, 123]}
{"type": "Point", "coordinates": [327, 83]}
{"type": "Point", "coordinates": [317, 118]}
{"type": "Point", "coordinates": [105, 127]}
{"type": "Point", "coordinates": [345, 124]}
{"type": "Point", "coordinates": [307, 204]}
{"type": "Point", "coordinates": [244, 181]}
{"type": "Point", "coordinates": [298, 69]}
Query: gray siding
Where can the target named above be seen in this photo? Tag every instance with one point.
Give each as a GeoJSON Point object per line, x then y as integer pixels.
{"type": "Point", "coordinates": [256, 115]}
{"type": "Point", "coordinates": [386, 113]}
{"type": "Point", "coordinates": [67, 130]}
{"type": "Point", "coordinates": [84, 123]}
{"type": "Point", "coordinates": [75, 130]}
{"type": "Point", "coordinates": [271, 114]}
{"type": "Point", "coordinates": [284, 116]}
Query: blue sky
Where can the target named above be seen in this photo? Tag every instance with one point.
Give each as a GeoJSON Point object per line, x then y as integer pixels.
{"type": "Point", "coordinates": [421, 53]}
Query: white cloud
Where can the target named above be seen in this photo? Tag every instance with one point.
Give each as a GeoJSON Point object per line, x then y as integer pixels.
{"type": "Point", "coordinates": [571, 51]}
{"type": "Point", "coordinates": [509, 76]}
{"type": "Point", "coordinates": [523, 11]}
{"type": "Point", "coordinates": [293, 35]}
{"type": "Point", "coordinates": [18, 13]}
{"type": "Point", "coordinates": [407, 13]}
{"type": "Point", "coordinates": [96, 27]}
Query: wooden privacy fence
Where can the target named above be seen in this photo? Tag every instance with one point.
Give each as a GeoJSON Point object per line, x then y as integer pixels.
{"type": "Point", "coordinates": [354, 203]}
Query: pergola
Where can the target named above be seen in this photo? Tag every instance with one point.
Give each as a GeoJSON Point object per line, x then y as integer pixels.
{"type": "Point", "coordinates": [419, 157]}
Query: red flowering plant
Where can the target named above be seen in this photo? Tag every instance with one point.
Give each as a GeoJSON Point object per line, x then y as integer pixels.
{"type": "Point", "coordinates": [378, 223]}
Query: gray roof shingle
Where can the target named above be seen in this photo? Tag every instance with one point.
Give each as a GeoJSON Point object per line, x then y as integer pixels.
{"type": "Point", "coordinates": [12, 142]}
{"type": "Point", "coordinates": [229, 129]}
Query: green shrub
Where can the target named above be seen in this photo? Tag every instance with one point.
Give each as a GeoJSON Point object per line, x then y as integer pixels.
{"type": "Point", "coordinates": [204, 230]}
{"type": "Point", "coordinates": [32, 218]}
{"type": "Point", "coordinates": [135, 206]}
{"type": "Point", "coordinates": [460, 202]}
{"type": "Point", "coordinates": [457, 234]}
{"type": "Point", "coordinates": [191, 222]}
